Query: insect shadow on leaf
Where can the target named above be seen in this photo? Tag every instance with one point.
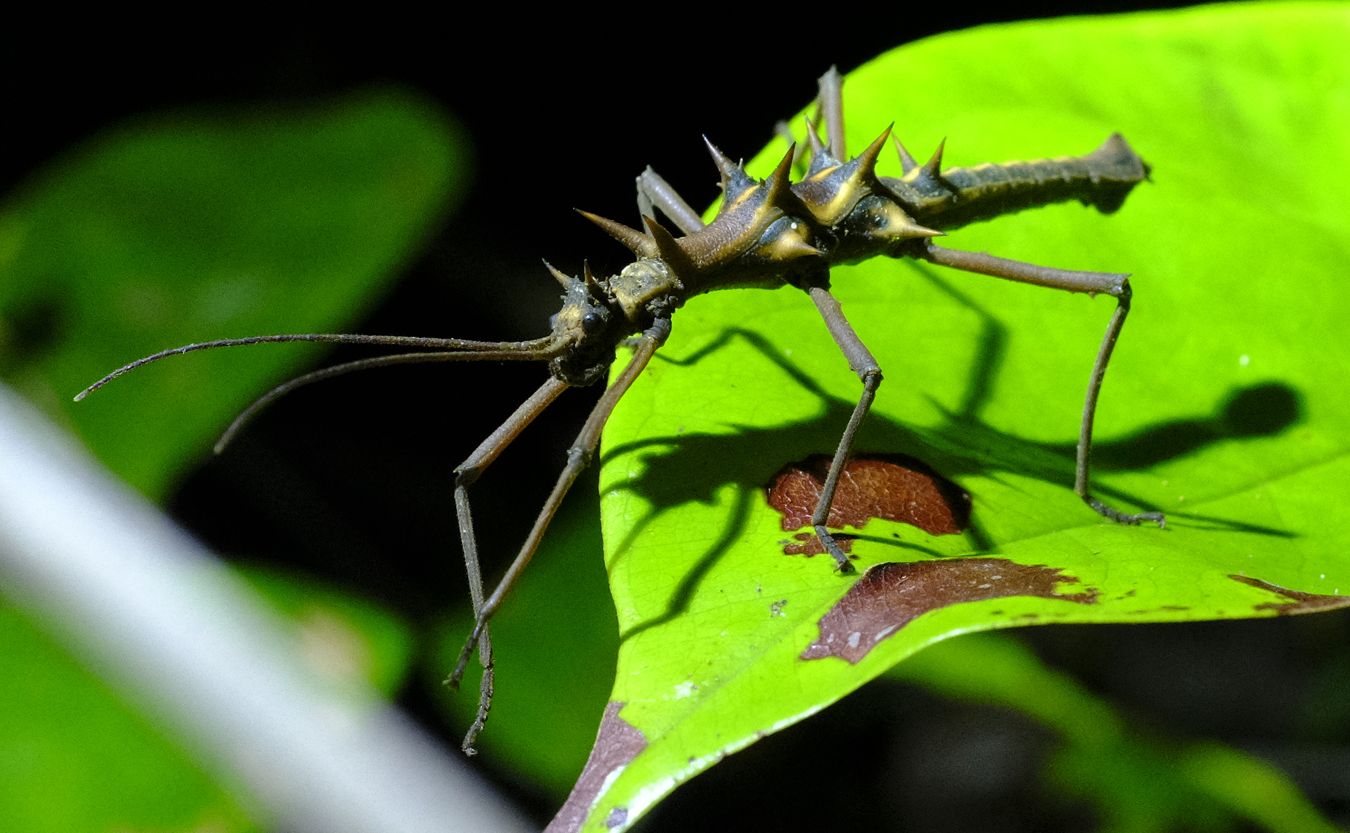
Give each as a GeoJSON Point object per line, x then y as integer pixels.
{"type": "Point", "coordinates": [768, 234]}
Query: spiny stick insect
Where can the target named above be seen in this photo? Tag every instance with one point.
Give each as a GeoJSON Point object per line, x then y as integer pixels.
{"type": "Point", "coordinates": [767, 234]}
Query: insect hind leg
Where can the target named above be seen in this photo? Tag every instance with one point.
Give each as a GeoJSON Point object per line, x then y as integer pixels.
{"type": "Point", "coordinates": [1069, 280]}
{"type": "Point", "coordinates": [1081, 472]}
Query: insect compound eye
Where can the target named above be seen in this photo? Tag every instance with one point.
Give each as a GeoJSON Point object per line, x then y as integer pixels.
{"type": "Point", "coordinates": [592, 323]}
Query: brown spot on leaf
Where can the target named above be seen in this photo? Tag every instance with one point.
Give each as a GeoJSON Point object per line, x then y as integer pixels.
{"type": "Point", "coordinates": [1299, 602]}
{"type": "Point", "coordinates": [889, 486]}
{"type": "Point", "coordinates": [890, 596]}
{"type": "Point", "coordinates": [617, 743]}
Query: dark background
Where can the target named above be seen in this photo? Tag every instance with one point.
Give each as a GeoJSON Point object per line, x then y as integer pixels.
{"type": "Point", "coordinates": [351, 480]}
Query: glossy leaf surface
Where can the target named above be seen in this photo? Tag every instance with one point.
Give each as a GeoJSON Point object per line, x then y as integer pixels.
{"type": "Point", "coordinates": [1223, 405]}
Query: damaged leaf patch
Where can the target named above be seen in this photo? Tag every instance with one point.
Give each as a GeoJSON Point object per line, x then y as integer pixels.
{"type": "Point", "coordinates": [617, 743]}
{"type": "Point", "coordinates": [891, 487]}
{"type": "Point", "coordinates": [1299, 602]}
{"type": "Point", "coordinates": [986, 384]}
{"type": "Point", "coordinates": [890, 596]}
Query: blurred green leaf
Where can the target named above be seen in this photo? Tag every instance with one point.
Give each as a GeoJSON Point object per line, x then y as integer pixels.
{"type": "Point", "coordinates": [214, 224]}
{"type": "Point", "coordinates": [171, 229]}
{"type": "Point", "coordinates": [75, 756]}
{"type": "Point", "coordinates": [1137, 783]}
{"type": "Point", "coordinates": [1223, 405]}
{"type": "Point", "coordinates": [344, 637]}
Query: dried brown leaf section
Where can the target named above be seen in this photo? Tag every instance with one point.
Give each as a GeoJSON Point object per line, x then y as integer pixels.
{"type": "Point", "coordinates": [892, 487]}
{"type": "Point", "coordinates": [618, 743]}
{"type": "Point", "coordinates": [890, 596]}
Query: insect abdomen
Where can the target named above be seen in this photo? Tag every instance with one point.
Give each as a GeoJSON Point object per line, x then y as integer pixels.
{"type": "Point", "coordinates": [1101, 179]}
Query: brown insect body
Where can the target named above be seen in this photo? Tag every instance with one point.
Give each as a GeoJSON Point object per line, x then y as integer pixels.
{"type": "Point", "coordinates": [768, 234]}
{"type": "Point", "coordinates": [772, 233]}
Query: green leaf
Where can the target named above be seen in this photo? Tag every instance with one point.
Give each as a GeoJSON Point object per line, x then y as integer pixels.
{"type": "Point", "coordinates": [344, 638]}
{"type": "Point", "coordinates": [170, 229]}
{"type": "Point", "coordinates": [1223, 406]}
{"type": "Point", "coordinates": [186, 226]}
{"type": "Point", "coordinates": [75, 756]}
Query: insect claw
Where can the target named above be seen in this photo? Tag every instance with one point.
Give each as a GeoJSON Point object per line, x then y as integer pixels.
{"type": "Point", "coordinates": [486, 690]}
{"type": "Point", "coordinates": [907, 162]}
{"type": "Point", "coordinates": [636, 241]}
{"type": "Point", "coordinates": [841, 563]}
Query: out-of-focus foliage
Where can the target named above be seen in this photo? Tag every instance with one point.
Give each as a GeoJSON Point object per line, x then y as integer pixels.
{"type": "Point", "coordinates": [190, 226]}
{"type": "Point", "coordinates": [166, 230]}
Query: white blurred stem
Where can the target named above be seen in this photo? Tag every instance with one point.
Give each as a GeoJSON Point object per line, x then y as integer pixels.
{"type": "Point", "coordinates": [164, 621]}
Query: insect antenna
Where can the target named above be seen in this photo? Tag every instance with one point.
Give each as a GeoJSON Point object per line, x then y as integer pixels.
{"type": "Point", "coordinates": [433, 350]}
{"type": "Point", "coordinates": [246, 416]}
{"type": "Point", "coordinates": [539, 345]}
{"type": "Point", "coordinates": [439, 350]}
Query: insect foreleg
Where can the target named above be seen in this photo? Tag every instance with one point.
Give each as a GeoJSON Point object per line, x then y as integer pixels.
{"type": "Point", "coordinates": [1115, 285]}
{"type": "Point", "coordinates": [860, 360]}
{"type": "Point", "coordinates": [466, 474]}
{"type": "Point", "coordinates": [654, 191]}
{"type": "Point", "coordinates": [578, 457]}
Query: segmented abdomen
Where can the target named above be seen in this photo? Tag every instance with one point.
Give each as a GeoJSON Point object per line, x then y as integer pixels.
{"type": "Point", "coordinates": [958, 196]}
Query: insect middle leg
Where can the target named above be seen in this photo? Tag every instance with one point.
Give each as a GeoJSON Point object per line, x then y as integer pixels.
{"type": "Point", "coordinates": [1115, 285]}
{"type": "Point", "coordinates": [860, 360]}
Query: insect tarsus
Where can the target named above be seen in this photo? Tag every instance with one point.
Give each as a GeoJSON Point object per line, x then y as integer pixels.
{"type": "Point", "coordinates": [767, 233]}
